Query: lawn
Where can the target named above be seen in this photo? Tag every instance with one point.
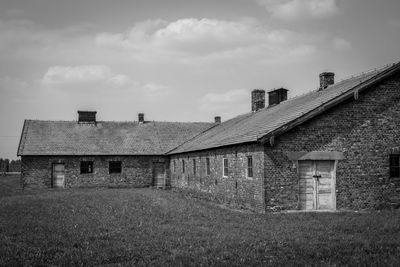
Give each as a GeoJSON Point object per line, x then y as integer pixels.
{"type": "Point", "coordinates": [157, 227]}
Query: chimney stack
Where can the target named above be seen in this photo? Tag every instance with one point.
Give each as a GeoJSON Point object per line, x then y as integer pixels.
{"type": "Point", "coordinates": [257, 99]}
{"type": "Point", "coordinates": [86, 116]}
{"type": "Point", "coordinates": [141, 117]}
{"type": "Point", "coordinates": [326, 79]}
{"type": "Point", "coordinates": [217, 119]}
{"type": "Point", "coordinates": [276, 96]}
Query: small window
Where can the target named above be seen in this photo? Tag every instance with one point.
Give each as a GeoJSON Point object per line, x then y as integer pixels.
{"type": "Point", "coordinates": [225, 166]}
{"type": "Point", "coordinates": [394, 165]}
{"type": "Point", "coordinates": [86, 167]}
{"type": "Point", "coordinates": [208, 166]}
{"type": "Point", "coordinates": [249, 166]}
{"type": "Point", "coordinates": [174, 165]}
{"type": "Point", "coordinates": [183, 166]}
{"type": "Point", "coordinates": [194, 166]}
{"type": "Point", "coordinates": [114, 167]}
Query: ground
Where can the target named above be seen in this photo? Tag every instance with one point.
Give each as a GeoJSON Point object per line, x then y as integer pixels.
{"type": "Point", "coordinates": [161, 227]}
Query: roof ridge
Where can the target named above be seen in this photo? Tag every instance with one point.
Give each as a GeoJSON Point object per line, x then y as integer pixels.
{"type": "Point", "coordinates": [369, 71]}
{"type": "Point", "coordinates": [354, 76]}
{"type": "Point", "coordinates": [360, 86]}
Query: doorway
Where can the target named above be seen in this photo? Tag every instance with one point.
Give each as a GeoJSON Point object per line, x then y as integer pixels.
{"type": "Point", "coordinates": [317, 183]}
{"type": "Point", "coordinates": [159, 174]}
{"type": "Point", "coordinates": [58, 175]}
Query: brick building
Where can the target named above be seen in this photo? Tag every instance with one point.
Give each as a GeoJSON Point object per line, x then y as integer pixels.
{"type": "Point", "coordinates": [334, 148]}
{"type": "Point", "coordinates": [99, 153]}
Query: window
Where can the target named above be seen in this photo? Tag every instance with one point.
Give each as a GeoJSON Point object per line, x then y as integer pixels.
{"type": "Point", "coordinates": [194, 166]}
{"type": "Point", "coordinates": [225, 166]}
{"type": "Point", "coordinates": [208, 166]}
{"type": "Point", "coordinates": [183, 166]}
{"type": "Point", "coordinates": [114, 167]}
{"type": "Point", "coordinates": [249, 166]}
{"type": "Point", "coordinates": [394, 165]}
{"type": "Point", "coordinates": [86, 167]}
{"type": "Point", "coordinates": [174, 165]}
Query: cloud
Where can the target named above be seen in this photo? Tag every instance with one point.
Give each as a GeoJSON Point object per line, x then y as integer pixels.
{"type": "Point", "coordinates": [188, 41]}
{"type": "Point", "coordinates": [83, 74]}
{"type": "Point", "coordinates": [340, 44]}
{"type": "Point", "coordinates": [119, 80]}
{"type": "Point", "coordinates": [188, 36]}
{"type": "Point", "coordinates": [100, 78]}
{"type": "Point", "coordinates": [225, 101]}
{"type": "Point", "coordinates": [26, 40]}
{"type": "Point", "coordinates": [153, 91]}
{"type": "Point", "coordinates": [300, 9]}
{"type": "Point", "coordinates": [197, 40]}
{"type": "Point", "coordinates": [15, 11]}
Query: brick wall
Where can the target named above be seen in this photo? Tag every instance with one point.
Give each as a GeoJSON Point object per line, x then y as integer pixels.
{"type": "Point", "coordinates": [137, 171]}
{"type": "Point", "coordinates": [236, 189]}
{"type": "Point", "coordinates": [365, 130]}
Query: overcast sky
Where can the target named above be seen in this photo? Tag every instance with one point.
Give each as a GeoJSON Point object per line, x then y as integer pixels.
{"type": "Point", "coordinates": [179, 60]}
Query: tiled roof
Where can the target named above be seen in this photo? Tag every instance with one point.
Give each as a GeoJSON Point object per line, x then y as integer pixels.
{"type": "Point", "coordinates": [105, 138]}
{"type": "Point", "coordinates": [253, 126]}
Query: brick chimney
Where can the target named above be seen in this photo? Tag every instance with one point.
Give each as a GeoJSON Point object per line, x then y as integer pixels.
{"type": "Point", "coordinates": [326, 79]}
{"type": "Point", "coordinates": [141, 117]}
{"type": "Point", "coordinates": [217, 119]}
{"type": "Point", "coordinates": [257, 99]}
{"type": "Point", "coordinates": [276, 96]}
{"type": "Point", "coordinates": [86, 116]}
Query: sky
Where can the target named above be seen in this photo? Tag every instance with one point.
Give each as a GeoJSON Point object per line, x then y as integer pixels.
{"type": "Point", "coordinates": [178, 60]}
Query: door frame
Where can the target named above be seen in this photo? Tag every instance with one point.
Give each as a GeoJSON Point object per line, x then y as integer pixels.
{"type": "Point", "coordinates": [52, 173]}
{"type": "Point", "coordinates": [164, 173]}
{"type": "Point", "coordinates": [315, 191]}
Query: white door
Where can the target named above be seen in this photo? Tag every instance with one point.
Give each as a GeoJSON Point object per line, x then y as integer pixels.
{"type": "Point", "coordinates": [58, 175]}
{"type": "Point", "coordinates": [317, 181]}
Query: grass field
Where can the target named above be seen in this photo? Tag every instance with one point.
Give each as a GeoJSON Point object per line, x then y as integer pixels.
{"type": "Point", "coordinates": [157, 227]}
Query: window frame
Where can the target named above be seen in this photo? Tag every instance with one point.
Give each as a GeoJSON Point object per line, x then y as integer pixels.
{"type": "Point", "coordinates": [250, 172]}
{"type": "Point", "coordinates": [115, 169]}
{"type": "Point", "coordinates": [194, 166]}
{"type": "Point", "coordinates": [86, 167]}
{"type": "Point", "coordinates": [208, 169]}
{"type": "Point", "coordinates": [394, 170]}
{"type": "Point", "coordinates": [225, 167]}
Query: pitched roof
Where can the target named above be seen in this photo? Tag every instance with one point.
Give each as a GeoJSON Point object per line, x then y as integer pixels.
{"type": "Point", "coordinates": [257, 126]}
{"type": "Point", "coordinates": [105, 137]}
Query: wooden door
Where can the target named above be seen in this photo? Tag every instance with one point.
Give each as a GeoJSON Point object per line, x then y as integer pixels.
{"type": "Point", "coordinates": [58, 175]}
{"type": "Point", "coordinates": [158, 174]}
{"type": "Point", "coordinates": [317, 185]}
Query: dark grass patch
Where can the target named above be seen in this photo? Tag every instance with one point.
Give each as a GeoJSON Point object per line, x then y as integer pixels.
{"type": "Point", "coordinates": [157, 227]}
{"type": "Point", "coordinates": [10, 184]}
